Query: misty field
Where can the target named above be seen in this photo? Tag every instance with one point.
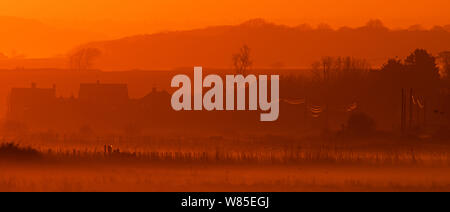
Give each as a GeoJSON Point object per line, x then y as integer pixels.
{"type": "Point", "coordinates": [266, 163]}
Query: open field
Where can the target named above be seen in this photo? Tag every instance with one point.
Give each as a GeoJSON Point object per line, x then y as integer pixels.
{"type": "Point", "coordinates": [219, 177]}
{"type": "Point", "coordinates": [295, 165]}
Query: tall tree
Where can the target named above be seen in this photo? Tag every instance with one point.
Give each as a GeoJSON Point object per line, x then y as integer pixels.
{"type": "Point", "coordinates": [422, 70]}
{"type": "Point", "coordinates": [422, 63]}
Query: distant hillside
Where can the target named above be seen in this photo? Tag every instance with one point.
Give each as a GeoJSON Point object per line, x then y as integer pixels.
{"type": "Point", "coordinates": [272, 45]}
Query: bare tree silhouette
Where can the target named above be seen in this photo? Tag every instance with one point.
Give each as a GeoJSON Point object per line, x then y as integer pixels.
{"type": "Point", "coordinates": [82, 59]}
{"type": "Point", "coordinates": [242, 61]}
{"type": "Point", "coordinates": [321, 70]}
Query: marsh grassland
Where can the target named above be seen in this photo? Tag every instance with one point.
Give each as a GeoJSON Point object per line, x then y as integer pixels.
{"type": "Point", "coordinates": [267, 163]}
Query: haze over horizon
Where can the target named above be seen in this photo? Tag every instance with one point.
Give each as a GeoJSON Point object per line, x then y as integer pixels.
{"type": "Point", "coordinates": [86, 21]}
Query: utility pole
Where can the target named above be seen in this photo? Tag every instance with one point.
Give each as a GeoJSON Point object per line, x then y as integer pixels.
{"type": "Point", "coordinates": [418, 112]}
{"type": "Point", "coordinates": [327, 121]}
{"type": "Point", "coordinates": [424, 113]}
{"type": "Point", "coordinates": [306, 112]}
{"type": "Point", "coordinates": [411, 109]}
{"type": "Point", "coordinates": [402, 121]}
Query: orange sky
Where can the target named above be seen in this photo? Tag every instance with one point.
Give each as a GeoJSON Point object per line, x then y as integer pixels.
{"type": "Point", "coordinates": [109, 19]}
{"type": "Point", "coordinates": [174, 14]}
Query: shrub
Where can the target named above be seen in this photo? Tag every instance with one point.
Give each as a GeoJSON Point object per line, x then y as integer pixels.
{"type": "Point", "coordinates": [361, 124]}
{"type": "Point", "coordinates": [13, 151]}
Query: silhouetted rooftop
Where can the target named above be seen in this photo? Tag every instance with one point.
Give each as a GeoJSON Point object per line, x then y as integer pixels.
{"type": "Point", "coordinates": [22, 95]}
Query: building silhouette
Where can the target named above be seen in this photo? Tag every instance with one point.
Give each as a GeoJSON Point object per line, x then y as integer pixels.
{"type": "Point", "coordinates": [33, 102]}
{"type": "Point", "coordinates": [108, 108]}
{"type": "Point", "coordinates": [103, 94]}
